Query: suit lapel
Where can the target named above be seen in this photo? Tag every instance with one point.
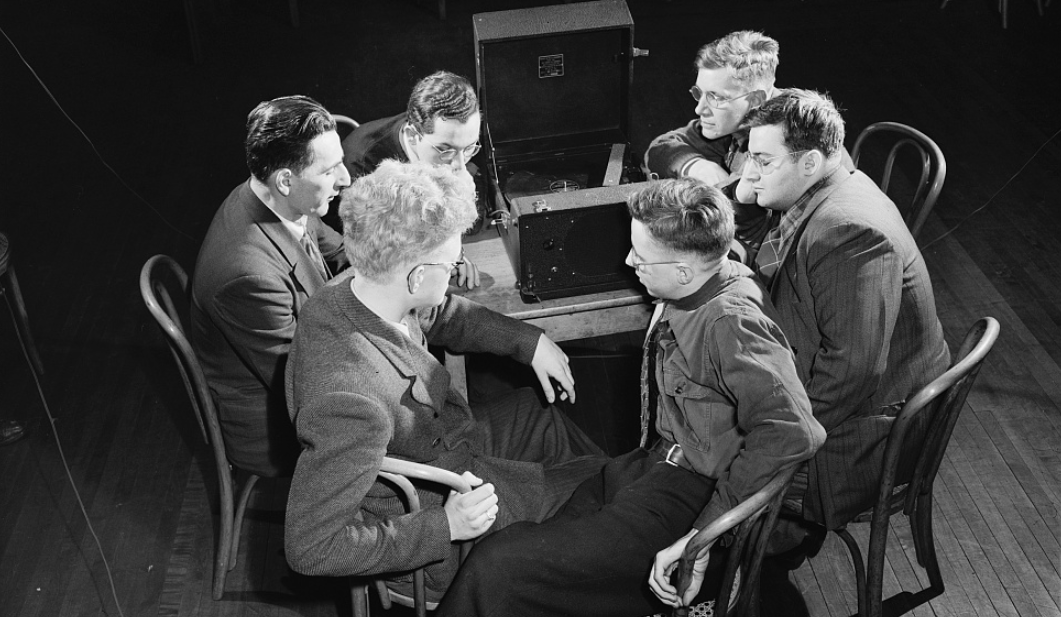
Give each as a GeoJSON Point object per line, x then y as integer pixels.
{"type": "Point", "coordinates": [302, 271]}
{"type": "Point", "coordinates": [787, 268]}
{"type": "Point", "coordinates": [429, 380]}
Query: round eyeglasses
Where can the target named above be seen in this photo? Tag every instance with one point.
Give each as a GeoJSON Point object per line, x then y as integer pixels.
{"type": "Point", "coordinates": [641, 265]}
{"type": "Point", "coordinates": [452, 265]}
{"type": "Point", "coordinates": [446, 155]}
{"type": "Point", "coordinates": [713, 100]}
{"type": "Point", "coordinates": [765, 166]}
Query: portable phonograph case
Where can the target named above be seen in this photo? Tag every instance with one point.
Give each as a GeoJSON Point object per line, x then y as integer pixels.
{"type": "Point", "coordinates": [554, 88]}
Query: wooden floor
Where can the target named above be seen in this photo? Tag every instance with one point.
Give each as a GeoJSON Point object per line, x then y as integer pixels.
{"type": "Point", "coordinates": [171, 132]}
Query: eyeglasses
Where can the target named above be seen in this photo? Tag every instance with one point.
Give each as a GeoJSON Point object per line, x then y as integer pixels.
{"type": "Point", "coordinates": [446, 155]}
{"type": "Point", "coordinates": [765, 166]}
{"type": "Point", "coordinates": [640, 265]}
{"type": "Point", "coordinates": [714, 101]}
{"type": "Point", "coordinates": [452, 265]}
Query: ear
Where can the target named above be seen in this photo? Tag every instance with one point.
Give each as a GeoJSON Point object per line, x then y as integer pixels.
{"type": "Point", "coordinates": [811, 163]}
{"type": "Point", "coordinates": [684, 275]}
{"type": "Point", "coordinates": [282, 181]}
{"type": "Point", "coordinates": [756, 99]}
{"type": "Point", "coordinates": [415, 279]}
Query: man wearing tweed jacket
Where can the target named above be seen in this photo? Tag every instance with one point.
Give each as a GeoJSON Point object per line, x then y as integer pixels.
{"type": "Point", "coordinates": [853, 295]}
{"type": "Point", "coordinates": [362, 385]}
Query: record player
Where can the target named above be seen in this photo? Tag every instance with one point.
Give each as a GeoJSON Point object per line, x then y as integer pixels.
{"type": "Point", "coordinates": [554, 88]}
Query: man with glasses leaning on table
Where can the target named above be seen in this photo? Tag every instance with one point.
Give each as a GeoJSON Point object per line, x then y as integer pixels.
{"type": "Point", "coordinates": [734, 74]}
{"type": "Point", "coordinates": [440, 126]}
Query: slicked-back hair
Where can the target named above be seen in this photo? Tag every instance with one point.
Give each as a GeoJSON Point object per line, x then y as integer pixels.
{"type": "Point", "coordinates": [751, 58]}
{"type": "Point", "coordinates": [809, 120]}
{"type": "Point", "coordinates": [441, 95]}
{"type": "Point", "coordinates": [279, 133]}
{"type": "Point", "coordinates": [401, 212]}
{"type": "Point", "coordinates": [685, 215]}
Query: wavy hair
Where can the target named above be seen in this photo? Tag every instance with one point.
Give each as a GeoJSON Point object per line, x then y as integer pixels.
{"type": "Point", "coordinates": [441, 95]}
{"type": "Point", "coordinates": [750, 57]}
{"type": "Point", "coordinates": [685, 215]}
{"type": "Point", "coordinates": [809, 120]}
{"type": "Point", "coordinates": [279, 133]}
{"type": "Point", "coordinates": [401, 212]}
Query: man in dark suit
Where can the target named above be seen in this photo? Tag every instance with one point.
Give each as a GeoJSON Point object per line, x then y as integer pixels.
{"type": "Point", "coordinates": [853, 295]}
{"type": "Point", "coordinates": [440, 126]}
{"type": "Point", "coordinates": [361, 385]}
{"type": "Point", "coordinates": [265, 254]}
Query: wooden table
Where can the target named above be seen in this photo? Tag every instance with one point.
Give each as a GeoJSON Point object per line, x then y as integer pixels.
{"type": "Point", "coordinates": [563, 319]}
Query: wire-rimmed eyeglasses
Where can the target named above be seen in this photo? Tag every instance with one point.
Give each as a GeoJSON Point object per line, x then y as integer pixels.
{"type": "Point", "coordinates": [452, 265]}
{"type": "Point", "coordinates": [446, 155]}
{"type": "Point", "coordinates": [713, 100]}
{"type": "Point", "coordinates": [765, 166]}
{"type": "Point", "coordinates": [640, 265]}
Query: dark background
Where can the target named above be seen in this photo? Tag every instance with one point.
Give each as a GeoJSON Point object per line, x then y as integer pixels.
{"type": "Point", "coordinates": [164, 147]}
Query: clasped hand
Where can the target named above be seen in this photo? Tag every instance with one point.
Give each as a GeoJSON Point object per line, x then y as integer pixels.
{"type": "Point", "coordinates": [471, 514]}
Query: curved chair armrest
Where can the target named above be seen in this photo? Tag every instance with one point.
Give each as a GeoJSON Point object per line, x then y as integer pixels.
{"type": "Point", "coordinates": [420, 471]}
{"type": "Point", "coordinates": [748, 509]}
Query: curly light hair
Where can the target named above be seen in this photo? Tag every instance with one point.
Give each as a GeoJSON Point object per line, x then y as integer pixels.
{"type": "Point", "coordinates": [750, 57]}
{"type": "Point", "coordinates": [402, 212]}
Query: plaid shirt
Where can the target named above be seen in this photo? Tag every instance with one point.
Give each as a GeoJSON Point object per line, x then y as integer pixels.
{"type": "Point", "coordinates": [779, 239]}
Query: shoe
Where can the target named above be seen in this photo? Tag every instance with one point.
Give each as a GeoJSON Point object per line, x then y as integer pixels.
{"type": "Point", "coordinates": [11, 431]}
{"type": "Point", "coordinates": [793, 558]}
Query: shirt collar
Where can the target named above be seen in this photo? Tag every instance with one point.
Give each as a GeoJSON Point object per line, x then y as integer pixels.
{"type": "Point", "coordinates": [707, 291]}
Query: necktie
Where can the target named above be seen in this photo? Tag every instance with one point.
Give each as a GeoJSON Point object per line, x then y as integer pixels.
{"type": "Point", "coordinates": [315, 257]}
{"type": "Point", "coordinates": [649, 387]}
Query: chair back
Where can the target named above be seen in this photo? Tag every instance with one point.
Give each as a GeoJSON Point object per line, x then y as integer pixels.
{"type": "Point", "coordinates": [936, 408]}
{"type": "Point", "coordinates": [347, 122]}
{"type": "Point", "coordinates": [753, 519]}
{"type": "Point", "coordinates": [933, 167]}
{"type": "Point", "coordinates": [164, 287]}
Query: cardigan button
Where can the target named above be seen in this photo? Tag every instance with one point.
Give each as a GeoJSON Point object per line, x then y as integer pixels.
{"type": "Point", "coordinates": [438, 440]}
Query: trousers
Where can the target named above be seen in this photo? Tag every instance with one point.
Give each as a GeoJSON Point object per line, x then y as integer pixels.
{"type": "Point", "coordinates": [594, 556]}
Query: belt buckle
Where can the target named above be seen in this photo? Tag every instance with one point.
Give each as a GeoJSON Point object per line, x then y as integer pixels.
{"type": "Point", "coordinates": [670, 452]}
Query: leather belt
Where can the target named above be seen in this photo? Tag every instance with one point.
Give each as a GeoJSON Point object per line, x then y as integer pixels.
{"type": "Point", "coordinates": [672, 454]}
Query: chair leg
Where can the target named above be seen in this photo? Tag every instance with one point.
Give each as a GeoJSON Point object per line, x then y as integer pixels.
{"type": "Point", "coordinates": [924, 542]}
{"type": "Point", "coordinates": [359, 599]}
{"type": "Point", "coordinates": [10, 290]}
{"type": "Point", "coordinates": [244, 497]}
{"type": "Point", "coordinates": [860, 569]}
{"type": "Point", "coordinates": [224, 541]}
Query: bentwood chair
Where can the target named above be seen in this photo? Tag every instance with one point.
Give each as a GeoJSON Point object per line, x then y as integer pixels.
{"type": "Point", "coordinates": [398, 474]}
{"type": "Point", "coordinates": [164, 287]}
{"type": "Point", "coordinates": [910, 466]}
{"type": "Point", "coordinates": [930, 160]}
{"type": "Point", "coordinates": [346, 121]}
{"type": "Point", "coordinates": [753, 519]}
